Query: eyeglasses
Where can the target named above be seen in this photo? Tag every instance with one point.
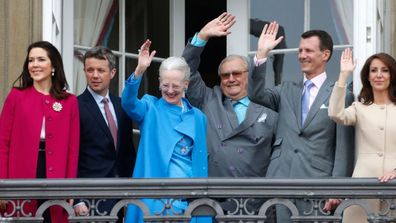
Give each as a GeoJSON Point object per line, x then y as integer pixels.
{"type": "Point", "coordinates": [235, 74]}
{"type": "Point", "coordinates": [167, 87]}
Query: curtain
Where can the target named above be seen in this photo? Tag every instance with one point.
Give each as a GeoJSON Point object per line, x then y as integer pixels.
{"type": "Point", "coordinates": [89, 20]}
{"type": "Point", "coordinates": [342, 11]}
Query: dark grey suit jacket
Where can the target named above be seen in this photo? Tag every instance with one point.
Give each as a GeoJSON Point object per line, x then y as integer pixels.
{"type": "Point", "coordinates": [98, 157]}
{"type": "Point", "coordinates": [320, 147]}
{"type": "Point", "coordinates": [317, 148]}
{"type": "Point", "coordinates": [235, 150]}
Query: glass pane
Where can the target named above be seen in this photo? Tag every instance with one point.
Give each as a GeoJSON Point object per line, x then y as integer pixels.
{"type": "Point", "coordinates": [114, 82]}
{"type": "Point", "coordinates": [334, 16]}
{"type": "Point", "coordinates": [292, 25]}
{"type": "Point", "coordinates": [147, 19]}
{"type": "Point", "coordinates": [326, 14]}
{"type": "Point", "coordinates": [93, 20]}
{"type": "Point", "coordinates": [291, 19]}
{"type": "Point", "coordinates": [149, 84]}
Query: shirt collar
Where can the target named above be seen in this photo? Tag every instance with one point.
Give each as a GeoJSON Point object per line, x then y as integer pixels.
{"type": "Point", "coordinates": [318, 80]}
{"type": "Point", "coordinates": [98, 98]}
{"type": "Point", "coordinates": [245, 101]}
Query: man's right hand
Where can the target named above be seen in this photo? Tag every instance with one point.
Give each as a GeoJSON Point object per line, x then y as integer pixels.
{"type": "Point", "coordinates": [267, 40]}
{"type": "Point", "coordinates": [81, 209]}
{"type": "Point", "coordinates": [217, 27]}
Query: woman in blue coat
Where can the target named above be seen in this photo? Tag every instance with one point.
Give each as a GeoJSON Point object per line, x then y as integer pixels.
{"type": "Point", "coordinates": [172, 132]}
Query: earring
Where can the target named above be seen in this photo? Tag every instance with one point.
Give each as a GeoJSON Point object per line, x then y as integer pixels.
{"type": "Point", "coordinates": [52, 73]}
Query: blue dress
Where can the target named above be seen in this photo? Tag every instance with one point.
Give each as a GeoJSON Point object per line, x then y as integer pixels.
{"type": "Point", "coordinates": [172, 144]}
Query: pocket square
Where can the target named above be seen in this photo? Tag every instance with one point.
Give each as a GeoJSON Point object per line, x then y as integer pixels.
{"type": "Point", "coordinates": [323, 106]}
{"type": "Point", "coordinates": [262, 118]}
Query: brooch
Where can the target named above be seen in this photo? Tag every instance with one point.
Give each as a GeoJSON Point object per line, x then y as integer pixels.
{"type": "Point", "coordinates": [183, 150]}
{"type": "Point", "coordinates": [57, 106]}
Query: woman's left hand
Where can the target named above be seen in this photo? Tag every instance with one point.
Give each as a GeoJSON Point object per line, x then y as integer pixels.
{"type": "Point", "coordinates": [387, 176]}
{"type": "Point", "coordinates": [331, 204]}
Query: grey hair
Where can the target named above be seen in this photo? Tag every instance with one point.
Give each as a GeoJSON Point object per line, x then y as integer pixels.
{"type": "Point", "coordinates": [233, 57]}
{"type": "Point", "coordinates": [175, 63]}
{"type": "Point", "coordinates": [101, 53]}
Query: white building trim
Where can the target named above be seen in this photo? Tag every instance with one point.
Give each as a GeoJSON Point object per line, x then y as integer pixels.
{"type": "Point", "coordinates": [364, 36]}
{"type": "Point", "coordinates": [177, 25]}
{"type": "Point", "coordinates": [239, 42]}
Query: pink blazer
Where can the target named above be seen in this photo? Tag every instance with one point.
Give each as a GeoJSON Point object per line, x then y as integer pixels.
{"type": "Point", "coordinates": [20, 126]}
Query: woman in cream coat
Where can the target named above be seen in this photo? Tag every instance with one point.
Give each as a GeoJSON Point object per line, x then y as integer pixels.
{"type": "Point", "coordinates": [374, 118]}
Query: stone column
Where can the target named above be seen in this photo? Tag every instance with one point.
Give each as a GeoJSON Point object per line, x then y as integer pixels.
{"type": "Point", "coordinates": [20, 25]}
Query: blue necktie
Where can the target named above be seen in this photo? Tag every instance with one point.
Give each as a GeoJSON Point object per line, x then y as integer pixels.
{"type": "Point", "coordinates": [305, 100]}
{"type": "Point", "coordinates": [240, 111]}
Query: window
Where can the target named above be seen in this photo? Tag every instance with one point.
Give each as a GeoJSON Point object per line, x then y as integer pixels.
{"type": "Point", "coordinates": [121, 26]}
{"type": "Point", "coordinates": [295, 18]}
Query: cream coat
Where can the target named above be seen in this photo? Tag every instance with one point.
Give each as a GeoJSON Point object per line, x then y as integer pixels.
{"type": "Point", "coordinates": [375, 129]}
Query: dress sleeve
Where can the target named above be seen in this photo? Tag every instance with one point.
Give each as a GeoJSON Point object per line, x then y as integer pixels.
{"type": "Point", "coordinates": [74, 141]}
{"type": "Point", "coordinates": [135, 108]}
{"type": "Point", "coordinates": [337, 110]}
{"type": "Point", "coordinates": [6, 125]}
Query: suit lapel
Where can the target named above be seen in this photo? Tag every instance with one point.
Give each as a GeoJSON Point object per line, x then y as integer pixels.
{"type": "Point", "coordinates": [93, 109]}
{"type": "Point", "coordinates": [252, 114]}
{"type": "Point", "coordinates": [296, 94]}
{"type": "Point", "coordinates": [232, 118]}
{"type": "Point", "coordinates": [187, 125]}
{"type": "Point", "coordinates": [323, 95]}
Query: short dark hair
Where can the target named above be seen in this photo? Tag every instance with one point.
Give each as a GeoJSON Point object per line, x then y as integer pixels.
{"type": "Point", "coordinates": [326, 42]}
{"type": "Point", "coordinates": [102, 53]}
{"type": "Point", "coordinates": [366, 95]}
{"type": "Point", "coordinates": [59, 82]}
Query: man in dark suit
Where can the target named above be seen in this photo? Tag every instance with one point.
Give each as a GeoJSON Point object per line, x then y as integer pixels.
{"type": "Point", "coordinates": [312, 145]}
{"type": "Point", "coordinates": [106, 148]}
{"type": "Point", "coordinates": [240, 133]}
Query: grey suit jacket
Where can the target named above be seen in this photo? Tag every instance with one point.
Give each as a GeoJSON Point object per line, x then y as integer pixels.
{"type": "Point", "coordinates": [235, 150]}
{"type": "Point", "coordinates": [320, 147]}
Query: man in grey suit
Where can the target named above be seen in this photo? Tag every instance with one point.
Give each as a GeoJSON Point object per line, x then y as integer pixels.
{"type": "Point", "coordinates": [312, 146]}
{"type": "Point", "coordinates": [240, 133]}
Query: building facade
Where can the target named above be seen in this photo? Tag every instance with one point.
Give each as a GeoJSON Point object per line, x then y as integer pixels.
{"type": "Point", "coordinates": [122, 25]}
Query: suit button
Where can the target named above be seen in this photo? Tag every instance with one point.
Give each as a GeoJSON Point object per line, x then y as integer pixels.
{"type": "Point", "coordinates": [295, 150]}
{"type": "Point", "coordinates": [381, 128]}
{"type": "Point", "coordinates": [50, 168]}
{"type": "Point", "coordinates": [46, 101]}
{"type": "Point", "coordinates": [49, 152]}
{"type": "Point", "coordinates": [49, 118]}
{"type": "Point", "coordinates": [222, 144]}
{"type": "Point", "coordinates": [49, 136]}
{"type": "Point", "coordinates": [380, 154]}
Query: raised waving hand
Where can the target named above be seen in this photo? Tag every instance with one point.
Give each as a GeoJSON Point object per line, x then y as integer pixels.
{"type": "Point", "coordinates": [267, 40]}
{"type": "Point", "coordinates": [145, 58]}
{"type": "Point", "coordinates": [347, 65]}
{"type": "Point", "coordinates": [217, 27]}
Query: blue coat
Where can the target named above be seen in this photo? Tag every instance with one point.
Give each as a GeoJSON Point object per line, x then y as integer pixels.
{"type": "Point", "coordinates": [159, 134]}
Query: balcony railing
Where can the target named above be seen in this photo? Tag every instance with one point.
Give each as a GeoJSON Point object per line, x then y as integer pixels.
{"type": "Point", "coordinates": [204, 196]}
